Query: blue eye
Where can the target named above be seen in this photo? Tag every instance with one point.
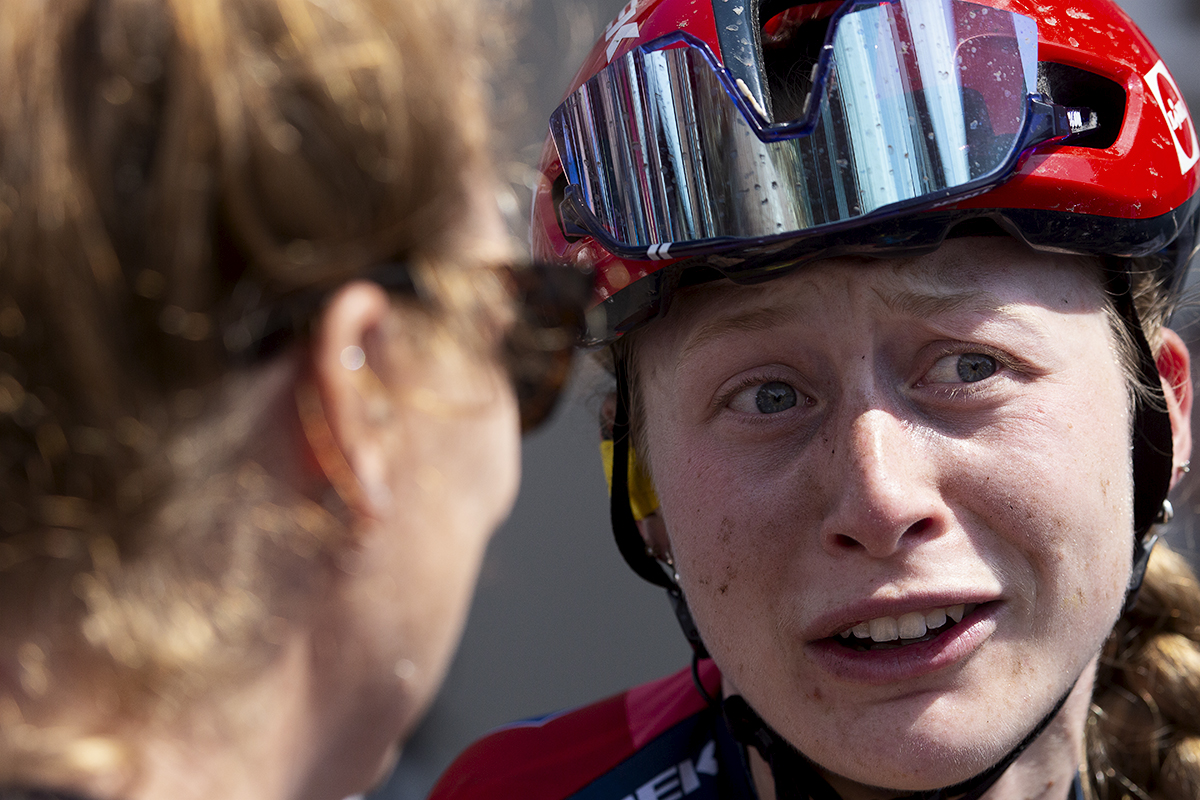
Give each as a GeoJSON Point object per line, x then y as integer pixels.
{"type": "Point", "coordinates": [962, 368]}
{"type": "Point", "coordinates": [773, 397]}
{"type": "Point", "coordinates": [974, 367]}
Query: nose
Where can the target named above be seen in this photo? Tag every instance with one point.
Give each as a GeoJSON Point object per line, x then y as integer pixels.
{"type": "Point", "coordinates": [881, 486]}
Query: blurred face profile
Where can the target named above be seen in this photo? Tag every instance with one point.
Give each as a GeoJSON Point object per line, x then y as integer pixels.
{"type": "Point", "coordinates": [439, 466]}
{"type": "Point", "coordinates": [255, 292]}
{"type": "Point", "coordinates": [898, 496]}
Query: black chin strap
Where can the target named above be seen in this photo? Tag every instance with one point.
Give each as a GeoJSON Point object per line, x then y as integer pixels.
{"type": "Point", "coordinates": [625, 530]}
{"type": "Point", "coordinates": [797, 778]}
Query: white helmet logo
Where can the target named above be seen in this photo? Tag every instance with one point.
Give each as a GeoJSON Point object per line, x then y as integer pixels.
{"type": "Point", "coordinates": [1175, 111]}
{"type": "Point", "coordinates": [621, 28]}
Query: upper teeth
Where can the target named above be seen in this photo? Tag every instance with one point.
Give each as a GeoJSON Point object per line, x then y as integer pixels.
{"type": "Point", "coordinates": [912, 625]}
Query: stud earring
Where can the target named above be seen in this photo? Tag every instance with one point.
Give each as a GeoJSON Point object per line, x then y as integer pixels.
{"type": "Point", "coordinates": [665, 558]}
{"type": "Point", "coordinates": [353, 357]}
{"type": "Point", "coordinates": [1185, 467]}
{"type": "Point", "coordinates": [405, 669]}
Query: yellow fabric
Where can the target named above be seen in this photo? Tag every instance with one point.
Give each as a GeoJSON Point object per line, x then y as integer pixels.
{"type": "Point", "coordinates": [642, 498]}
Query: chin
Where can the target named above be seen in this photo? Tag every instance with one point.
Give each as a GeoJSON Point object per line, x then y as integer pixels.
{"type": "Point", "coordinates": [920, 750]}
{"type": "Point", "coordinates": [923, 769]}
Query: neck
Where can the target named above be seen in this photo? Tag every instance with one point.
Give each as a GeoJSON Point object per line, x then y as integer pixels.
{"type": "Point", "coordinates": [257, 744]}
{"type": "Point", "coordinates": [257, 741]}
{"type": "Point", "coordinates": [1045, 771]}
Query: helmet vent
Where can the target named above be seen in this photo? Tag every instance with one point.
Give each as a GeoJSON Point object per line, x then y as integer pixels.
{"type": "Point", "coordinates": [1071, 86]}
{"type": "Point", "coordinates": [791, 44]}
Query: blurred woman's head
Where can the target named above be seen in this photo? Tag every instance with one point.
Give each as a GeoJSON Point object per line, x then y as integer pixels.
{"type": "Point", "coordinates": [256, 422]}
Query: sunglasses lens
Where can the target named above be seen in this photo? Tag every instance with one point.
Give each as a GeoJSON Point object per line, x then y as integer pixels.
{"type": "Point", "coordinates": [915, 102]}
{"type": "Point", "coordinates": [552, 304]}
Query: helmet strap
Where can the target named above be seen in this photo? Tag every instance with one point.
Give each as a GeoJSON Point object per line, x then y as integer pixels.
{"type": "Point", "coordinates": [625, 529]}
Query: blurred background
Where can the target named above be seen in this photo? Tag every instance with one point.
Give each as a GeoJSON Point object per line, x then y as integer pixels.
{"type": "Point", "coordinates": [558, 619]}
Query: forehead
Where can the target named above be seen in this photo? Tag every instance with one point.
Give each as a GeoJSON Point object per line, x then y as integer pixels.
{"type": "Point", "coordinates": [964, 275]}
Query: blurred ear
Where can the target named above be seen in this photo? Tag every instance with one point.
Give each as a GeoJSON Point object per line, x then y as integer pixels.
{"type": "Point", "coordinates": [352, 382]}
{"type": "Point", "coordinates": [654, 533]}
{"type": "Point", "coordinates": [1174, 366]}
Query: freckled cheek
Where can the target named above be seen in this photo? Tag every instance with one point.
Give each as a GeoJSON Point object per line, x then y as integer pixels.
{"type": "Point", "coordinates": [733, 534]}
{"type": "Point", "coordinates": [733, 576]}
{"type": "Point", "coordinates": [718, 521]}
{"type": "Point", "coordinates": [1099, 506]}
{"type": "Point", "coordinates": [701, 531]}
{"type": "Point", "coordinates": [1069, 531]}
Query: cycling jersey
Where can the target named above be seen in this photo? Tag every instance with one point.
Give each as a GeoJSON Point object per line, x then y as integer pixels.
{"type": "Point", "coordinates": [659, 741]}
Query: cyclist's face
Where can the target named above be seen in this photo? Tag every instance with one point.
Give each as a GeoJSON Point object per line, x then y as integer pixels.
{"type": "Point", "coordinates": [880, 447]}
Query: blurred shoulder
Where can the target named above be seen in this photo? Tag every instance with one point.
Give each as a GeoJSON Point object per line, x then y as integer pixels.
{"type": "Point", "coordinates": [553, 757]}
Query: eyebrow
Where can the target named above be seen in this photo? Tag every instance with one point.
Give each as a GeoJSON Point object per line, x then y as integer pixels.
{"type": "Point", "coordinates": [753, 321]}
{"type": "Point", "coordinates": [916, 304]}
{"type": "Point", "coordinates": [919, 304]}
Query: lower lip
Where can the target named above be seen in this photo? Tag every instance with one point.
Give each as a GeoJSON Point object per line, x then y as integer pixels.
{"type": "Point", "coordinates": [882, 667]}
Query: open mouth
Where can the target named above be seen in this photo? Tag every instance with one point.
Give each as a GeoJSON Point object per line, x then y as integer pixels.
{"type": "Point", "coordinates": [890, 633]}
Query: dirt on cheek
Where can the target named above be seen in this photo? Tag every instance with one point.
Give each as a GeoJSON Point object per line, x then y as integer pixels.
{"type": "Point", "coordinates": [725, 537]}
{"type": "Point", "coordinates": [721, 558]}
{"type": "Point", "coordinates": [726, 532]}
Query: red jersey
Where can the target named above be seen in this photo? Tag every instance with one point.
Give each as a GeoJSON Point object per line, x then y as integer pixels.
{"type": "Point", "coordinates": [658, 741]}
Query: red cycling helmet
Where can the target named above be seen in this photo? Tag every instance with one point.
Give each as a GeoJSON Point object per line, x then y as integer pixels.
{"type": "Point", "coordinates": [678, 126]}
{"type": "Point", "coordinates": [738, 139]}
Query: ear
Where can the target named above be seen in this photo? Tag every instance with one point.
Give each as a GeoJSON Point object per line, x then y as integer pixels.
{"type": "Point", "coordinates": [350, 378]}
{"type": "Point", "coordinates": [1174, 367]}
{"type": "Point", "coordinates": [654, 533]}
